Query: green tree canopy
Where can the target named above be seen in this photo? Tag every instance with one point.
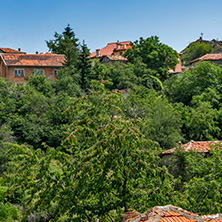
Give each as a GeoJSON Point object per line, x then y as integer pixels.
{"type": "Point", "coordinates": [156, 55]}
{"type": "Point", "coordinates": [202, 190]}
{"type": "Point", "coordinates": [202, 82]}
{"type": "Point", "coordinates": [108, 166]}
{"type": "Point", "coordinates": [161, 121]}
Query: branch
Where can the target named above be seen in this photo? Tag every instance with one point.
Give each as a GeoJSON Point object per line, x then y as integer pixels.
{"type": "Point", "coordinates": [110, 217]}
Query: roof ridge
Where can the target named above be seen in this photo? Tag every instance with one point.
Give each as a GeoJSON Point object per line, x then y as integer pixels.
{"type": "Point", "coordinates": [156, 213]}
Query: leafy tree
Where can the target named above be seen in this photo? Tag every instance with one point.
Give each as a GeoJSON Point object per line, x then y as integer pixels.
{"type": "Point", "coordinates": [131, 75]}
{"type": "Point", "coordinates": [107, 166]}
{"type": "Point", "coordinates": [6, 135]}
{"type": "Point", "coordinates": [8, 212]}
{"type": "Point", "coordinates": [203, 192]}
{"type": "Point", "coordinates": [121, 75]}
{"type": "Point", "coordinates": [67, 84]}
{"type": "Point", "coordinates": [41, 84]}
{"type": "Point", "coordinates": [196, 50]}
{"type": "Point", "coordinates": [200, 122]}
{"type": "Point", "coordinates": [156, 55]}
{"type": "Point", "coordinates": [35, 114]}
{"type": "Point", "coordinates": [202, 82]}
{"type": "Point", "coordinates": [199, 92]}
{"type": "Point", "coordinates": [161, 122]}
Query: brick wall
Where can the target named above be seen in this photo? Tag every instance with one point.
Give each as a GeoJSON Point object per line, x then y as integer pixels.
{"type": "Point", "coordinates": [48, 72]}
{"type": "Point", "coordinates": [2, 69]}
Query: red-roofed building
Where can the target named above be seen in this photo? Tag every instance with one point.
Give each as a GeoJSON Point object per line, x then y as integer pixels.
{"type": "Point", "coordinates": [214, 58]}
{"type": "Point", "coordinates": [115, 48]}
{"type": "Point", "coordinates": [15, 66]}
{"type": "Point", "coordinates": [169, 213]}
{"type": "Point", "coordinates": [9, 50]}
{"type": "Point", "coordinates": [195, 146]}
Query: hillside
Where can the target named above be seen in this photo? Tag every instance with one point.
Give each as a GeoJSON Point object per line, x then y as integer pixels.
{"type": "Point", "coordinates": [217, 45]}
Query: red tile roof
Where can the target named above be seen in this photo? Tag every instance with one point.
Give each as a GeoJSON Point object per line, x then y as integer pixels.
{"type": "Point", "coordinates": [198, 146]}
{"type": "Point", "coordinates": [169, 213]}
{"type": "Point", "coordinates": [208, 57]}
{"type": "Point", "coordinates": [123, 47]}
{"type": "Point", "coordinates": [9, 50]}
{"type": "Point", "coordinates": [47, 59]}
{"type": "Point", "coordinates": [110, 48]}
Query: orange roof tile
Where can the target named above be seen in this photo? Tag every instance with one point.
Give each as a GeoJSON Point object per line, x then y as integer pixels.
{"type": "Point", "coordinates": [198, 146]}
{"type": "Point", "coordinates": [109, 49]}
{"type": "Point", "coordinates": [169, 213]}
{"type": "Point", "coordinates": [9, 50]}
{"type": "Point", "coordinates": [15, 59]}
{"type": "Point", "coordinates": [208, 57]}
{"type": "Point", "coordinates": [123, 47]}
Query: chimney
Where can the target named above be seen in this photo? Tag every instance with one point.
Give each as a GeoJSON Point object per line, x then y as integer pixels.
{"type": "Point", "coordinates": [97, 52]}
{"type": "Point", "coordinates": [19, 49]}
{"type": "Point", "coordinates": [117, 44]}
{"type": "Point", "coordinates": [36, 52]}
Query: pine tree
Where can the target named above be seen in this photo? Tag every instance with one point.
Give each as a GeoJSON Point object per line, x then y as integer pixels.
{"type": "Point", "coordinates": [84, 66]}
{"type": "Point", "coordinates": [62, 41]}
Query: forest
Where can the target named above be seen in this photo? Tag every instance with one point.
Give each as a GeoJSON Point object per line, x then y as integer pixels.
{"type": "Point", "coordinates": [76, 149]}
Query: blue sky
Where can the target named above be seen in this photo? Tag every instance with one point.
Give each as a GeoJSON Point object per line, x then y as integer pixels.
{"type": "Point", "coordinates": [26, 24]}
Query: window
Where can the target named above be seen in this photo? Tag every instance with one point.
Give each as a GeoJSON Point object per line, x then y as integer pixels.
{"type": "Point", "coordinates": [55, 72]}
{"type": "Point", "coordinates": [38, 72]}
{"type": "Point", "coordinates": [19, 72]}
{"type": "Point", "coordinates": [121, 53]}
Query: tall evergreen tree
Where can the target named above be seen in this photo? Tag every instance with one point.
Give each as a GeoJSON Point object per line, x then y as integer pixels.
{"type": "Point", "coordinates": [85, 66]}
{"type": "Point", "coordinates": [61, 41]}
{"type": "Point", "coordinates": [66, 43]}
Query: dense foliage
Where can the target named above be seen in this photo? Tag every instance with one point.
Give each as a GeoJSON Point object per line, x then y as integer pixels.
{"type": "Point", "coordinates": [157, 56]}
{"type": "Point", "coordinates": [107, 161]}
{"type": "Point", "coordinates": [107, 165]}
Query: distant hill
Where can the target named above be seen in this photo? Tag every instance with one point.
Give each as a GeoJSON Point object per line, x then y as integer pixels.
{"type": "Point", "coordinates": [217, 45]}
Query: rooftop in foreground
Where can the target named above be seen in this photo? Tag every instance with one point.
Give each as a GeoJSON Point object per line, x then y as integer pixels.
{"type": "Point", "coordinates": [169, 213]}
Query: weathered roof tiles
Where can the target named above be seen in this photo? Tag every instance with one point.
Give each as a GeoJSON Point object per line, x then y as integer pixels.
{"type": "Point", "coordinates": [47, 59]}
{"type": "Point", "coordinates": [208, 57]}
{"type": "Point", "coordinates": [197, 146]}
{"type": "Point", "coordinates": [110, 48]}
{"type": "Point", "coordinates": [169, 213]}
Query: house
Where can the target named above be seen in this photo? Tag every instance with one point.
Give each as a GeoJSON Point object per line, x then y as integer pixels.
{"type": "Point", "coordinates": [115, 48]}
{"type": "Point", "coordinates": [213, 58]}
{"type": "Point", "coordinates": [169, 213]}
{"type": "Point", "coordinates": [196, 146]}
{"type": "Point", "coordinates": [9, 50]}
{"type": "Point", "coordinates": [16, 65]}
